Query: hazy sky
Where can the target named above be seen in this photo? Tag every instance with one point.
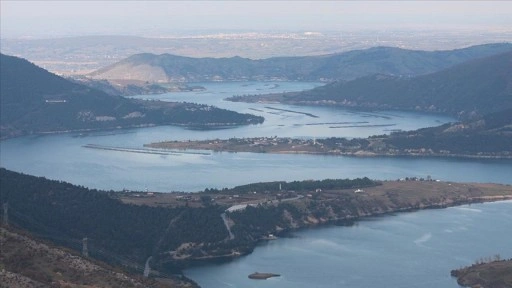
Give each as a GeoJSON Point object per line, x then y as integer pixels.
{"type": "Point", "coordinates": [59, 18]}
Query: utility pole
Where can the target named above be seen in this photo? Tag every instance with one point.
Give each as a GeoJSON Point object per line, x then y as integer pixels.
{"type": "Point", "coordinates": [85, 252]}
{"type": "Point", "coordinates": [6, 215]}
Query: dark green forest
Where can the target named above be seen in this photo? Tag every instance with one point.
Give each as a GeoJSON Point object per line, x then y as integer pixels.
{"type": "Point", "coordinates": [67, 213]}
{"type": "Point", "coordinates": [300, 186]}
{"type": "Point", "coordinates": [489, 135]}
{"type": "Point", "coordinates": [35, 101]}
{"type": "Point", "coordinates": [474, 88]}
{"type": "Point", "coordinates": [480, 85]}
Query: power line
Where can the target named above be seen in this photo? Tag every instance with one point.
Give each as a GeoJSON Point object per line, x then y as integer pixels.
{"type": "Point", "coordinates": [58, 236]}
{"type": "Point", "coordinates": [50, 233]}
{"type": "Point", "coordinates": [6, 214]}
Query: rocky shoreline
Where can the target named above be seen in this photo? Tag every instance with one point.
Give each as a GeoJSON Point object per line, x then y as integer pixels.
{"type": "Point", "coordinates": [258, 217]}
{"type": "Point", "coordinates": [491, 273]}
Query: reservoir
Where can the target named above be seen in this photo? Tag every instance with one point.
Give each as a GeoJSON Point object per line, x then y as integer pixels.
{"type": "Point", "coordinates": [64, 157]}
{"type": "Point", "coordinates": [405, 250]}
{"type": "Point", "coordinates": [413, 250]}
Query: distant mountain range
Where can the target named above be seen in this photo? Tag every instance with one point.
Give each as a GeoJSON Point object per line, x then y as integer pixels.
{"type": "Point", "coordinates": [32, 100]}
{"type": "Point", "coordinates": [479, 86]}
{"type": "Point", "coordinates": [350, 65]}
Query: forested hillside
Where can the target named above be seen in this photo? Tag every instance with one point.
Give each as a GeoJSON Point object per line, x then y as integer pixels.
{"type": "Point", "coordinates": [177, 235]}
{"type": "Point", "coordinates": [476, 87]}
{"type": "Point", "coordinates": [489, 136]}
{"type": "Point", "coordinates": [68, 213]}
{"type": "Point", "coordinates": [344, 66]}
{"type": "Point", "coordinates": [33, 100]}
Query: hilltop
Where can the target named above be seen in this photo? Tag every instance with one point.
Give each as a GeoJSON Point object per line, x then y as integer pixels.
{"type": "Point", "coordinates": [478, 86]}
{"type": "Point", "coordinates": [181, 229]}
{"type": "Point", "coordinates": [32, 100]}
{"type": "Point", "coordinates": [167, 68]}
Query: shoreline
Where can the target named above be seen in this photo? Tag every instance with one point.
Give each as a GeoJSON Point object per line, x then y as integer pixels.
{"type": "Point", "coordinates": [299, 146]}
{"type": "Point", "coordinates": [213, 260]}
{"type": "Point", "coordinates": [283, 98]}
{"type": "Point", "coordinates": [483, 200]}
{"type": "Point", "coordinates": [492, 272]}
{"type": "Point", "coordinates": [324, 208]}
{"type": "Point", "coordinates": [280, 208]}
{"type": "Point", "coordinates": [207, 126]}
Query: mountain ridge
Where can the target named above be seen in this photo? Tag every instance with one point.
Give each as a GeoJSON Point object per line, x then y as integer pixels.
{"type": "Point", "coordinates": [479, 86]}
{"type": "Point", "coordinates": [349, 65]}
{"type": "Point", "coordinates": [33, 100]}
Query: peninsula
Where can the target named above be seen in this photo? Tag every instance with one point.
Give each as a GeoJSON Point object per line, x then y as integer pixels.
{"type": "Point", "coordinates": [373, 146]}
{"type": "Point", "coordinates": [489, 136]}
{"type": "Point", "coordinates": [169, 231]}
{"type": "Point", "coordinates": [495, 273]}
{"type": "Point", "coordinates": [34, 101]}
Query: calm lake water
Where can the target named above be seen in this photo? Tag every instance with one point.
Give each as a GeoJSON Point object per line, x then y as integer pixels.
{"type": "Point", "coordinates": [63, 157]}
{"type": "Point", "coordinates": [417, 249]}
{"type": "Point", "coordinates": [408, 250]}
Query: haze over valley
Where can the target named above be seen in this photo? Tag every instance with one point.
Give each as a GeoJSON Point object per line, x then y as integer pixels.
{"type": "Point", "coordinates": [76, 55]}
{"type": "Point", "coordinates": [196, 144]}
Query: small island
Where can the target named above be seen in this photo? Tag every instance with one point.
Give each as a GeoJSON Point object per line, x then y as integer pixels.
{"type": "Point", "coordinates": [262, 276]}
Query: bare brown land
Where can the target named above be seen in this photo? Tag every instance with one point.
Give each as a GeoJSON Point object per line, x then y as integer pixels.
{"type": "Point", "coordinates": [494, 274]}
